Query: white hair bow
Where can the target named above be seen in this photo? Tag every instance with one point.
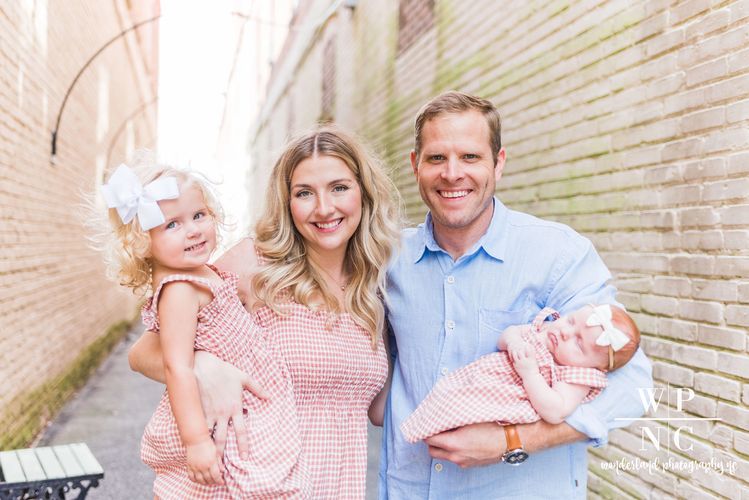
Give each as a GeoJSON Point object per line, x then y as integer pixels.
{"type": "Point", "coordinates": [125, 193]}
{"type": "Point", "coordinates": [601, 316]}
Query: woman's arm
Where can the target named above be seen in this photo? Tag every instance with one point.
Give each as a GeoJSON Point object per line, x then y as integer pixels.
{"type": "Point", "coordinates": [376, 411]}
{"type": "Point", "coordinates": [178, 311]}
{"type": "Point", "coordinates": [553, 404]}
{"type": "Point", "coordinates": [241, 259]}
{"type": "Point", "coordinates": [145, 357]}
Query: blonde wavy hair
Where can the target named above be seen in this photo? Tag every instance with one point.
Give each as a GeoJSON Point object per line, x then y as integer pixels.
{"type": "Point", "coordinates": [288, 270]}
{"type": "Point", "coordinates": [126, 247]}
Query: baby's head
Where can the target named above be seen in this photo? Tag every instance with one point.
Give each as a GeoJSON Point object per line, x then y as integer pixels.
{"type": "Point", "coordinates": [178, 231]}
{"type": "Point", "coordinates": [603, 337]}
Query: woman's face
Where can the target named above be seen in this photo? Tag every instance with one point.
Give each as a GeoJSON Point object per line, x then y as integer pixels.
{"type": "Point", "coordinates": [325, 203]}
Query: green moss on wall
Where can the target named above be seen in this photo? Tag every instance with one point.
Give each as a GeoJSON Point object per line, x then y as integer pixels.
{"type": "Point", "coordinates": [24, 417]}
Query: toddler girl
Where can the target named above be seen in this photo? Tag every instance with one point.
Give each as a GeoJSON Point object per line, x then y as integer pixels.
{"type": "Point", "coordinates": [163, 225]}
{"type": "Point", "coordinates": [544, 370]}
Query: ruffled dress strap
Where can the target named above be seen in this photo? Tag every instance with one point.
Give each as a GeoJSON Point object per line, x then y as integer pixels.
{"type": "Point", "coordinates": [542, 315]}
{"type": "Point", "coordinates": [590, 377]}
{"type": "Point", "coordinates": [149, 311]}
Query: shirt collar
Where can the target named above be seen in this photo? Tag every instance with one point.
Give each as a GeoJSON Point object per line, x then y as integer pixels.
{"type": "Point", "coordinates": [493, 241]}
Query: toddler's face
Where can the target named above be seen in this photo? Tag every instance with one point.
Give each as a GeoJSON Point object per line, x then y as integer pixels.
{"type": "Point", "coordinates": [573, 343]}
{"type": "Point", "coordinates": [187, 238]}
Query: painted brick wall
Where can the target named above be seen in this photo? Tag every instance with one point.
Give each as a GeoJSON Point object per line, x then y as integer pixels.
{"type": "Point", "coordinates": [54, 300]}
{"type": "Point", "coordinates": [627, 120]}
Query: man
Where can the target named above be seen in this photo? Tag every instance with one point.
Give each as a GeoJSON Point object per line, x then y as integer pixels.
{"type": "Point", "coordinates": [473, 268]}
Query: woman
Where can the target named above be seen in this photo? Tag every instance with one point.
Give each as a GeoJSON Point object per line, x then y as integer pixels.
{"type": "Point", "coordinates": [315, 279]}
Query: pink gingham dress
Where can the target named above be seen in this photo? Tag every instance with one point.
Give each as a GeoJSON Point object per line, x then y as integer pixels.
{"type": "Point", "coordinates": [489, 389]}
{"type": "Point", "coordinates": [335, 374]}
{"type": "Point", "coordinates": [274, 468]}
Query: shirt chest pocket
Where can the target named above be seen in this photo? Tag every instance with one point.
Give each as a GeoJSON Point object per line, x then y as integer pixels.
{"type": "Point", "coordinates": [492, 322]}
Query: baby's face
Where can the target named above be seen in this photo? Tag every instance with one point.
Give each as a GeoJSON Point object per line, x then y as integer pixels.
{"type": "Point", "coordinates": [573, 343]}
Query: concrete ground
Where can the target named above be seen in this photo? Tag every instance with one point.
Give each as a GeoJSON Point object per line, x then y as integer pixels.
{"type": "Point", "coordinates": [109, 414]}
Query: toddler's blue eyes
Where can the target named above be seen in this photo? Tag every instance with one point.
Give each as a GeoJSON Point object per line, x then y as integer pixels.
{"type": "Point", "coordinates": [171, 225]}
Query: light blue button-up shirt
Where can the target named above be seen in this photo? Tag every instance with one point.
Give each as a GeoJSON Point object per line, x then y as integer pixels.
{"type": "Point", "coordinates": [445, 314]}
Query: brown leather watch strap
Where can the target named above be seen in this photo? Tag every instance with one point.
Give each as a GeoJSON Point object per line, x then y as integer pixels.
{"type": "Point", "coordinates": [512, 437]}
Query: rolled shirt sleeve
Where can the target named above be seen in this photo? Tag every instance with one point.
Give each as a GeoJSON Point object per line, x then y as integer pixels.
{"type": "Point", "coordinates": [618, 404]}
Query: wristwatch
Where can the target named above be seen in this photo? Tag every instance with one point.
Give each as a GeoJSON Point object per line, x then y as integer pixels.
{"type": "Point", "coordinates": [515, 454]}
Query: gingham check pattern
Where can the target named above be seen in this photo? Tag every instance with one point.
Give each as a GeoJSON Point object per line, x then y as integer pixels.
{"type": "Point", "coordinates": [489, 389]}
{"type": "Point", "coordinates": [274, 468]}
{"type": "Point", "coordinates": [335, 374]}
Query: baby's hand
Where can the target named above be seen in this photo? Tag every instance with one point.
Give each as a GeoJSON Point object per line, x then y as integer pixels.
{"type": "Point", "coordinates": [203, 463]}
{"type": "Point", "coordinates": [523, 358]}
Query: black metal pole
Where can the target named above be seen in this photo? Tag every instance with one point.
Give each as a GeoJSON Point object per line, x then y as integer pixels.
{"type": "Point", "coordinates": [80, 72]}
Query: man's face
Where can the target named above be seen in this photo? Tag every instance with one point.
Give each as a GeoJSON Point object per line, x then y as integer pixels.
{"type": "Point", "coordinates": [456, 172]}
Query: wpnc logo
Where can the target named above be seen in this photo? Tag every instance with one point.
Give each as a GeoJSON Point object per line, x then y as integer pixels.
{"type": "Point", "coordinates": [651, 399]}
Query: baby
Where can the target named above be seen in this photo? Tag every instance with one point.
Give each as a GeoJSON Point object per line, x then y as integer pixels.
{"type": "Point", "coordinates": [544, 371]}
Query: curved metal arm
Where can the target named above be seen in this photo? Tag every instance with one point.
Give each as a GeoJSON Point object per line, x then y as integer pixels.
{"type": "Point", "coordinates": [80, 72]}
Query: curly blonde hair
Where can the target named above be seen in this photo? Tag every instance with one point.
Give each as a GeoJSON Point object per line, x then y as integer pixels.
{"type": "Point", "coordinates": [288, 268]}
{"type": "Point", "coordinates": [126, 247]}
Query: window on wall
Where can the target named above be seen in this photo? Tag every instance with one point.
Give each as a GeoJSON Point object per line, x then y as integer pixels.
{"type": "Point", "coordinates": [328, 82]}
{"type": "Point", "coordinates": [415, 17]}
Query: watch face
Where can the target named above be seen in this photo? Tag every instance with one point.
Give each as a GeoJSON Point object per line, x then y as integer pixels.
{"type": "Point", "coordinates": [515, 457]}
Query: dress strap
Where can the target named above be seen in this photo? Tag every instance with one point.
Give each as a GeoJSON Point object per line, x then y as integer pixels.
{"type": "Point", "coordinates": [182, 277]}
{"type": "Point", "coordinates": [541, 317]}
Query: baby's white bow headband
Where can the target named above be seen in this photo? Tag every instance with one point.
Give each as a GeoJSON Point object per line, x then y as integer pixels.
{"type": "Point", "coordinates": [126, 193]}
{"type": "Point", "coordinates": [611, 336]}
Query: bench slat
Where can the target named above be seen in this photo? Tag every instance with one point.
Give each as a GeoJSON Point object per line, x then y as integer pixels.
{"type": "Point", "coordinates": [68, 461]}
{"type": "Point", "coordinates": [49, 462]}
{"type": "Point", "coordinates": [12, 469]}
{"type": "Point", "coordinates": [86, 459]}
{"type": "Point", "coordinates": [32, 469]}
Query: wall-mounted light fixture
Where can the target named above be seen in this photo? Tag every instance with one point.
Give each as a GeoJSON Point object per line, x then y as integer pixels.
{"type": "Point", "coordinates": [80, 72]}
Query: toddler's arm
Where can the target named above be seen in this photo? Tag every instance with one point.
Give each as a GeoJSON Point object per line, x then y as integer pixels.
{"type": "Point", "coordinates": [553, 404]}
{"type": "Point", "coordinates": [178, 311]}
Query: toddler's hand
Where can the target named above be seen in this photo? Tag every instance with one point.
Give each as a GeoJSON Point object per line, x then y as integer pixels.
{"type": "Point", "coordinates": [203, 463]}
{"type": "Point", "coordinates": [523, 358]}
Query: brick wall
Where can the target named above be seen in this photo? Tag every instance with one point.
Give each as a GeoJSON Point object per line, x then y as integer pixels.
{"type": "Point", "coordinates": [56, 307]}
{"type": "Point", "coordinates": [626, 120]}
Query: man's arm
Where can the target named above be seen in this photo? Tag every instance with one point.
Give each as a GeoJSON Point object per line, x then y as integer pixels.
{"type": "Point", "coordinates": [584, 281]}
{"type": "Point", "coordinates": [484, 444]}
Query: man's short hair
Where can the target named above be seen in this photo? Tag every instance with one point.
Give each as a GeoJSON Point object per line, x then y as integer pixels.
{"type": "Point", "coordinates": [459, 102]}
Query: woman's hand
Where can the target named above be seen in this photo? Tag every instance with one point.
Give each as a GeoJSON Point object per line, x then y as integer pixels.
{"type": "Point", "coordinates": [204, 462]}
{"type": "Point", "coordinates": [221, 386]}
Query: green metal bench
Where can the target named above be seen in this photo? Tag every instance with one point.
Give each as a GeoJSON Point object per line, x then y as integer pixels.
{"type": "Point", "coordinates": [49, 472]}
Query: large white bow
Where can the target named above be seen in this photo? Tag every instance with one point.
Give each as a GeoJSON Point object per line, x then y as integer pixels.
{"type": "Point", "coordinates": [125, 193]}
{"type": "Point", "coordinates": [601, 316]}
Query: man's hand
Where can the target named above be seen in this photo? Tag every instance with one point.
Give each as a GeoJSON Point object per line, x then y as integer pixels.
{"type": "Point", "coordinates": [221, 386]}
{"type": "Point", "coordinates": [470, 446]}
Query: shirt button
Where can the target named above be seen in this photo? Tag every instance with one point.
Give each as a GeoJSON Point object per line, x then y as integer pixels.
{"type": "Point", "coordinates": [450, 324]}
{"type": "Point", "coordinates": [451, 279]}
{"type": "Point", "coordinates": [443, 371]}
{"type": "Point", "coordinates": [438, 467]}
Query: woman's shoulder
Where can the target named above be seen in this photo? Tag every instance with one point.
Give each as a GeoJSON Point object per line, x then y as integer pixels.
{"type": "Point", "coordinates": [240, 258]}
